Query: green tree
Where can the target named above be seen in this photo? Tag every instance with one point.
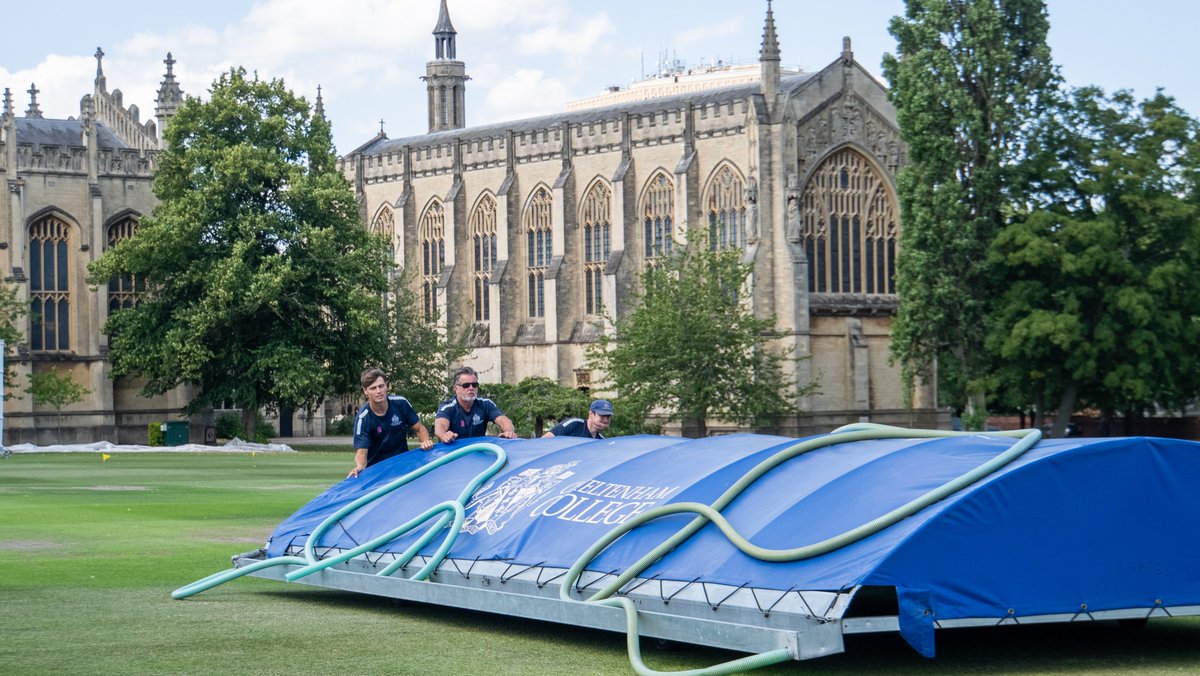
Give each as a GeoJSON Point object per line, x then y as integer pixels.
{"type": "Point", "coordinates": [417, 354]}
{"type": "Point", "coordinates": [11, 311]}
{"type": "Point", "coordinates": [1101, 294]}
{"type": "Point", "coordinates": [692, 349]}
{"type": "Point", "coordinates": [262, 286]}
{"type": "Point", "coordinates": [966, 78]}
{"type": "Point", "coordinates": [534, 402]}
{"type": "Point", "coordinates": [58, 390]}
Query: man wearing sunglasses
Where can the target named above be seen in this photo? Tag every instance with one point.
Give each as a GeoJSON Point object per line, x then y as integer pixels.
{"type": "Point", "coordinates": [467, 414]}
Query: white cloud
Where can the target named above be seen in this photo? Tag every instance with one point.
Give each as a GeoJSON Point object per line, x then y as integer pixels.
{"type": "Point", "coordinates": [713, 37]}
{"type": "Point", "coordinates": [524, 93]}
{"type": "Point", "coordinates": [574, 40]}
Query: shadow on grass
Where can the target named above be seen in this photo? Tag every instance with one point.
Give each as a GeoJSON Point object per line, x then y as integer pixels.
{"type": "Point", "coordinates": [1161, 645]}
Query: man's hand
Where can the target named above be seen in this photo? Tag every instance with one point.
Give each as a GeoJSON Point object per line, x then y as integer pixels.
{"type": "Point", "coordinates": [508, 434]}
{"type": "Point", "coordinates": [447, 437]}
{"type": "Point", "coordinates": [355, 472]}
{"type": "Point", "coordinates": [426, 444]}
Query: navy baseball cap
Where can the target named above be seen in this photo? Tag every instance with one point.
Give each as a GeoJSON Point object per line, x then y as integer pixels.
{"type": "Point", "coordinates": [601, 407]}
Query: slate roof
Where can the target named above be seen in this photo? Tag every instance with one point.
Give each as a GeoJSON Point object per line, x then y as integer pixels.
{"type": "Point", "coordinates": [45, 132]}
{"type": "Point", "coordinates": [717, 95]}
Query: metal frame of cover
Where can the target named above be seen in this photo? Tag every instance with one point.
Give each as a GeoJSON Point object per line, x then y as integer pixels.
{"type": "Point", "coordinates": [808, 624]}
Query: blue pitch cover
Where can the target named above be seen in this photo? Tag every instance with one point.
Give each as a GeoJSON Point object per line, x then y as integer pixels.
{"type": "Point", "coordinates": [1097, 524]}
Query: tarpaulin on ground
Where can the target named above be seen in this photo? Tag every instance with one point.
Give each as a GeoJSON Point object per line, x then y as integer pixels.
{"type": "Point", "coordinates": [1073, 524]}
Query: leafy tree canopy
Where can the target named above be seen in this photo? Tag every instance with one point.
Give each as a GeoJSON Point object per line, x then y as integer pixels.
{"type": "Point", "coordinates": [692, 349]}
{"type": "Point", "coordinates": [534, 404]}
{"type": "Point", "coordinates": [262, 286]}
{"type": "Point", "coordinates": [966, 78]}
{"type": "Point", "coordinates": [1100, 300]}
{"type": "Point", "coordinates": [417, 354]}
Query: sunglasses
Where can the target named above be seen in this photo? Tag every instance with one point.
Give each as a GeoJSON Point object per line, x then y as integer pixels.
{"type": "Point", "coordinates": [470, 384]}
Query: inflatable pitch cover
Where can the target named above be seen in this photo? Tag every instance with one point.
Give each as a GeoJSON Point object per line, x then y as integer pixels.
{"type": "Point", "coordinates": [768, 545]}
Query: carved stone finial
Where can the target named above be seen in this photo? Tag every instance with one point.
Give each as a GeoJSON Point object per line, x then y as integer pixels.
{"type": "Point", "coordinates": [100, 79]}
{"type": "Point", "coordinates": [8, 103]}
{"type": "Point", "coordinates": [847, 53]}
{"type": "Point", "coordinates": [319, 108]}
{"type": "Point", "coordinates": [33, 111]}
{"type": "Point", "coordinates": [770, 43]}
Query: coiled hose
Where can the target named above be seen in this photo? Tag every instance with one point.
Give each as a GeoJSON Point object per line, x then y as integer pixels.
{"type": "Point", "coordinates": [1026, 439]}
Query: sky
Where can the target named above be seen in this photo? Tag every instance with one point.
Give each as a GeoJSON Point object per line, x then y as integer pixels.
{"type": "Point", "coordinates": [524, 57]}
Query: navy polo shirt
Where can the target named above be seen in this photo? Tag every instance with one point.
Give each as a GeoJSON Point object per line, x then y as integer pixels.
{"type": "Point", "coordinates": [574, 427]}
{"type": "Point", "coordinates": [386, 435]}
{"type": "Point", "coordinates": [472, 424]}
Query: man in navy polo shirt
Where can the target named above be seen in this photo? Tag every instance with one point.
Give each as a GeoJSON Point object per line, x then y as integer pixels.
{"type": "Point", "coordinates": [381, 425]}
{"type": "Point", "coordinates": [467, 414]}
{"type": "Point", "coordinates": [599, 417]}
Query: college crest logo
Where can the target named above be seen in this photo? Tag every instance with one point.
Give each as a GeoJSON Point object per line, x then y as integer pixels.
{"type": "Point", "coordinates": [494, 505]}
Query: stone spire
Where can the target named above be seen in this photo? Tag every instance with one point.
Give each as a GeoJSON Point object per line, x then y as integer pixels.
{"type": "Point", "coordinates": [33, 111]}
{"type": "Point", "coordinates": [101, 81]}
{"type": "Point", "coordinates": [319, 108]}
{"type": "Point", "coordinates": [170, 96]}
{"type": "Point", "coordinates": [444, 33]}
{"type": "Point", "coordinates": [445, 78]}
{"type": "Point", "coordinates": [8, 104]}
{"type": "Point", "coordinates": [768, 58]}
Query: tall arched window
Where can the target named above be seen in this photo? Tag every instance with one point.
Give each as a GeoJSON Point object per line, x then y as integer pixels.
{"type": "Point", "coordinates": [538, 234]}
{"type": "Point", "coordinates": [597, 245]}
{"type": "Point", "coordinates": [482, 226]}
{"type": "Point", "coordinates": [658, 209]}
{"type": "Point", "coordinates": [122, 290]}
{"type": "Point", "coordinates": [848, 227]}
{"type": "Point", "coordinates": [384, 226]}
{"type": "Point", "coordinates": [49, 285]}
{"type": "Point", "coordinates": [726, 208]}
{"type": "Point", "coordinates": [433, 255]}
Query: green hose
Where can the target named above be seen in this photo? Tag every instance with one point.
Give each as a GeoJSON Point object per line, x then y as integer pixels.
{"type": "Point", "coordinates": [450, 510]}
{"type": "Point", "coordinates": [711, 513]}
{"type": "Point", "coordinates": [453, 512]}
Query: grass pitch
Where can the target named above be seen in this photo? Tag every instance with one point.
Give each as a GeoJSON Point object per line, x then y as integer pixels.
{"type": "Point", "coordinates": [90, 551]}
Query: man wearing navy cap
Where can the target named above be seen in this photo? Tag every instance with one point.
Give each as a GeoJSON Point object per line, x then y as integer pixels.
{"type": "Point", "coordinates": [599, 417]}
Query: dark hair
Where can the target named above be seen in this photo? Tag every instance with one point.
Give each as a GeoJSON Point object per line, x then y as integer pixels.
{"type": "Point", "coordinates": [463, 371]}
{"type": "Point", "coordinates": [371, 375]}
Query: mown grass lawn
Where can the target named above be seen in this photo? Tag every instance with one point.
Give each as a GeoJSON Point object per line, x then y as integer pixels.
{"type": "Point", "coordinates": [90, 552]}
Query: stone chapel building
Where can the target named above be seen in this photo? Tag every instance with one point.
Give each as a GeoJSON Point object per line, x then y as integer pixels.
{"type": "Point", "coordinates": [527, 232]}
{"type": "Point", "coordinates": [74, 188]}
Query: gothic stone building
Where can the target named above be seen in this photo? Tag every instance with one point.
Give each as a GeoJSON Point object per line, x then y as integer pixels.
{"type": "Point", "coordinates": [74, 187]}
{"type": "Point", "coordinates": [527, 232]}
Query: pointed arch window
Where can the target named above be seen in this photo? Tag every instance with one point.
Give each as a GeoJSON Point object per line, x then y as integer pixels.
{"type": "Point", "coordinates": [49, 285]}
{"type": "Point", "coordinates": [848, 227]}
{"type": "Point", "coordinates": [597, 245]}
{"type": "Point", "coordinates": [384, 226]}
{"type": "Point", "coordinates": [538, 239]}
{"type": "Point", "coordinates": [658, 209]}
{"type": "Point", "coordinates": [123, 290]}
{"type": "Point", "coordinates": [433, 255]}
{"type": "Point", "coordinates": [482, 225]}
{"type": "Point", "coordinates": [726, 208]}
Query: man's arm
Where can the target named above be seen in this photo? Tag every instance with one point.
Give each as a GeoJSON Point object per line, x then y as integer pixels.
{"type": "Point", "coordinates": [507, 429]}
{"type": "Point", "coordinates": [441, 430]}
{"type": "Point", "coordinates": [360, 462]}
{"type": "Point", "coordinates": [423, 436]}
